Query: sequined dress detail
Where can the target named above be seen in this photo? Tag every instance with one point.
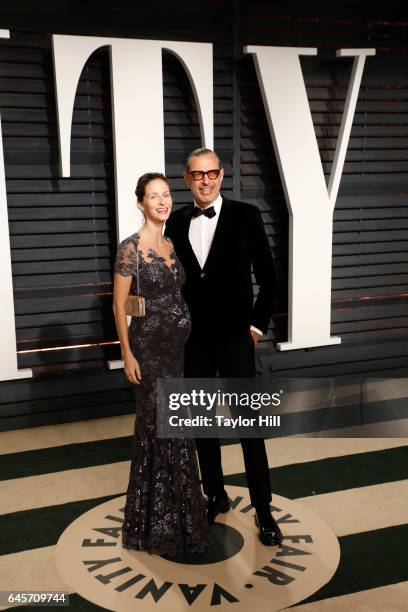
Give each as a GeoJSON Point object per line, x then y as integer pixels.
{"type": "Point", "coordinates": [165, 509]}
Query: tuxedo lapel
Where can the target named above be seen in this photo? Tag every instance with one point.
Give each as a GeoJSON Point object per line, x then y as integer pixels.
{"type": "Point", "coordinates": [223, 226]}
{"type": "Point", "coordinates": [184, 241]}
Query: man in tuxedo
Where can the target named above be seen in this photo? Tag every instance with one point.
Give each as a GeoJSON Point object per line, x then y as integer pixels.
{"type": "Point", "coordinates": [218, 242]}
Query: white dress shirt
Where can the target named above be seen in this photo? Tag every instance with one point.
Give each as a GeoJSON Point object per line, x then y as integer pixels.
{"type": "Point", "coordinates": [202, 230]}
{"type": "Point", "coordinates": [201, 233]}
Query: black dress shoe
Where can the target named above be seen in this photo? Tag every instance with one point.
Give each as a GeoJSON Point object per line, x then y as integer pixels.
{"type": "Point", "coordinates": [269, 532]}
{"type": "Point", "coordinates": [217, 504]}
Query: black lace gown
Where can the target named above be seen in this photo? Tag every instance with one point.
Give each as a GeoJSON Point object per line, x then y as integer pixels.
{"type": "Point", "coordinates": [165, 509]}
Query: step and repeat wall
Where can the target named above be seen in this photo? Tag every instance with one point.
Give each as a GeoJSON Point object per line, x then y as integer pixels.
{"type": "Point", "coordinates": [63, 233]}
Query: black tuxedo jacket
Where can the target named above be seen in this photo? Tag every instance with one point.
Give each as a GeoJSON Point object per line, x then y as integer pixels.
{"type": "Point", "coordinates": [220, 296]}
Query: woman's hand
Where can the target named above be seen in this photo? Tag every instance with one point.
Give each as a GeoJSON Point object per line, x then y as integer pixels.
{"type": "Point", "coordinates": [132, 369]}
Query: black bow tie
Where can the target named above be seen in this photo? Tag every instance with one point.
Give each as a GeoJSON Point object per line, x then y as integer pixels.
{"type": "Point", "coordinates": [208, 212]}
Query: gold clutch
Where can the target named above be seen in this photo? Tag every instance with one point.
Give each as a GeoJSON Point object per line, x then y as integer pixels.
{"type": "Point", "coordinates": [135, 306]}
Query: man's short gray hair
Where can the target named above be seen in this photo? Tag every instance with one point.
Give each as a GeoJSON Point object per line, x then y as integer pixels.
{"type": "Point", "coordinates": [197, 153]}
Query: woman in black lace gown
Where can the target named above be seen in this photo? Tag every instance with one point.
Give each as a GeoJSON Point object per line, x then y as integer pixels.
{"type": "Point", "coordinates": [165, 510]}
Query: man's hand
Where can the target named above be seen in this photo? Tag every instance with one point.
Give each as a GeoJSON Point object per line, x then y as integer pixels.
{"type": "Point", "coordinates": [255, 336]}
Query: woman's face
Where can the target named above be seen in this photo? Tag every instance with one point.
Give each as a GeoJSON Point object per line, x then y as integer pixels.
{"type": "Point", "coordinates": [157, 201]}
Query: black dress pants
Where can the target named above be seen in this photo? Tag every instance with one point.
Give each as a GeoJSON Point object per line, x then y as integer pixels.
{"type": "Point", "coordinates": [231, 359]}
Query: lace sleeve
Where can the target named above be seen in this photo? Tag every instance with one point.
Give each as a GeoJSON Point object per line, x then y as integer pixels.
{"type": "Point", "coordinates": [125, 262]}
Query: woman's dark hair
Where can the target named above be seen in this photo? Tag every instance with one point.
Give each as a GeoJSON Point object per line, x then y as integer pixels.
{"type": "Point", "coordinates": [145, 179]}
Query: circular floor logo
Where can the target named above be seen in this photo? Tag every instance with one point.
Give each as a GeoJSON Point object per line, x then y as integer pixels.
{"type": "Point", "coordinates": [237, 569]}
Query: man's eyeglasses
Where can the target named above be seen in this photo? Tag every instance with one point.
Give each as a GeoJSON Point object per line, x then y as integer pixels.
{"type": "Point", "coordinates": [198, 175]}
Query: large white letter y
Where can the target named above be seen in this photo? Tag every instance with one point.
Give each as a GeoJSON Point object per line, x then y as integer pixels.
{"type": "Point", "coordinates": [310, 202]}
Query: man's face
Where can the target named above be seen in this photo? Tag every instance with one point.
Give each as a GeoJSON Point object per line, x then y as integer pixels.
{"type": "Point", "coordinates": [205, 190]}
